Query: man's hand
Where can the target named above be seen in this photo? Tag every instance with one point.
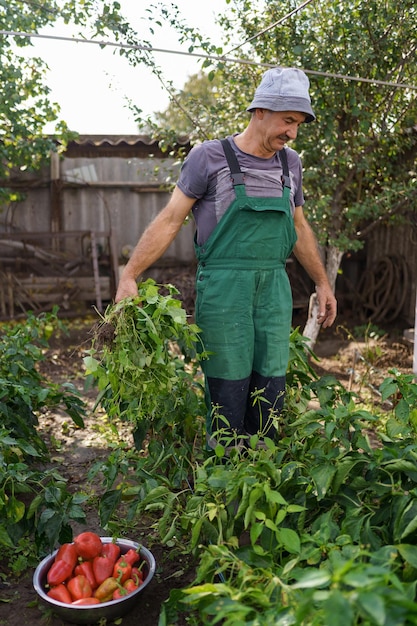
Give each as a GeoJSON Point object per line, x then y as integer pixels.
{"type": "Point", "coordinates": [127, 287]}
{"type": "Point", "coordinates": [327, 306]}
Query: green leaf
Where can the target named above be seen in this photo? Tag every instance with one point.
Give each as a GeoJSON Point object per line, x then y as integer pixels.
{"type": "Point", "coordinates": [408, 553]}
{"type": "Point", "coordinates": [15, 510]}
{"type": "Point", "coordinates": [255, 532]}
{"type": "Point", "coordinates": [402, 410]}
{"type": "Point", "coordinates": [272, 495]}
{"type": "Point", "coordinates": [394, 428]}
{"type": "Point", "coordinates": [91, 364]}
{"type": "Point", "coordinates": [323, 476]}
{"type": "Point", "coordinates": [406, 522]}
{"type": "Point", "coordinates": [76, 513]}
{"type": "Point", "coordinates": [344, 468]}
{"type": "Point", "coordinates": [34, 505]}
{"type": "Point", "coordinates": [388, 388]}
{"type": "Point", "coordinates": [199, 591]}
{"type": "Point", "coordinates": [178, 315]}
{"type": "Point", "coordinates": [195, 532]}
{"type": "Point", "coordinates": [109, 502]}
{"type": "Point", "coordinates": [312, 578]}
{"type": "Point", "coordinates": [52, 528]}
{"type": "Point", "coordinates": [248, 516]}
{"type": "Point", "coordinates": [5, 538]}
{"type": "Point", "coordinates": [337, 610]}
{"type": "Point", "coordinates": [290, 540]}
{"type": "Point", "coordinates": [374, 606]}
{"type": "Point", "coordinates": [271, 525]}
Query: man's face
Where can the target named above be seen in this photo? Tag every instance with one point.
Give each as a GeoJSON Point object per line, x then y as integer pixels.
{"type": "Point", "coordinates": [279, 127]}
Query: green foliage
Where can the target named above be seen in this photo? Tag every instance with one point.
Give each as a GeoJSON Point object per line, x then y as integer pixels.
{"type": "Point", "coordinates": [351, 587]}
{"type": "Point", "coordinates": [329, 520]}
{"type": "Point", "coordinates": [34, 504]}
{"type": "Point", "coordinates": [25, 106]}
{"type": "Point", "coordinates": [24, 391]}
{"type": "Point", "coordinates": [145, 367]}
{"type": "Point", "coordinates": [318, 528]}
{"type": "Point", "coordinates": [402, 389]}
{"type": "Point", "coordinates": [359, 156]}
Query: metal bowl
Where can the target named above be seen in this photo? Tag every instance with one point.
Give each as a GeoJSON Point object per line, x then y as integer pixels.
{"type": "Point", "coordinates": [91, 614]}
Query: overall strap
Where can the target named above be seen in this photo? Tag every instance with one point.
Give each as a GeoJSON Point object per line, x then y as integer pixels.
{"type": "Point", "coordinates": [286, 181]}
{"type": "Point", "coordinates": [237, 176]}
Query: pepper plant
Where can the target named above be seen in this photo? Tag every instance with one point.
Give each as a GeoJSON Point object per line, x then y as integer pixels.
{"type": "Point", "coordinates": [35, 504]}
{"type": "Point", "coordinates": [317, 529]}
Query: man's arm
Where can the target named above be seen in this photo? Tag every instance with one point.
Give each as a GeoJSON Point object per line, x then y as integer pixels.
{"type": "Point", "coordinates": [307, 253]}
{"type": "Point", "coordinates": [154, 242]}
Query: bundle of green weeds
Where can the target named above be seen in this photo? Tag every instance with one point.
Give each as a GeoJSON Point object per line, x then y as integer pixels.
{"type": "Point", "coordinates": [144, 359]}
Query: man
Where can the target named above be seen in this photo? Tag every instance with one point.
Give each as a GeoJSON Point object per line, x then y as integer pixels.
{"type": "Point", "coordinates": [246, 197]}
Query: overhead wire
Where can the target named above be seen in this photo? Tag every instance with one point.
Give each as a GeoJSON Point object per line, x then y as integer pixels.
{"type": "Point", "coordinates": [268, 28]}
{"type": "Point", "coordinates": [213, 57]}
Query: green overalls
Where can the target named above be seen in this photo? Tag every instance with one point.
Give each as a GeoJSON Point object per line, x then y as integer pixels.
{"type": "Point", "coordinates": [244, 308]}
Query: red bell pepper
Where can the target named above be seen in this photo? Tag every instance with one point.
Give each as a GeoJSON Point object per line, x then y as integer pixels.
{"type": "Point", "coordinates": [58, 573]}
{"type": "Point", "coordinates": [88, 545]}
{"type": "Point", "coordinates": [111, 550]}
{"type": "Point", "coordinates": [102, 568]}
{"type": "Point", "coordinates": [79, 587]}
{"type": "Point", "coordinates": [122, 570]}
{"type": "Point", "coordinates": [132, 556]}
{"type": "Point", "coordinates": [68, 553]}
{"type": "Point", "coordinates": [83, 601]}
{"type": "Point", "coordinates": [60, 593]}
{"type": "Point", "coordinates": [86, 569]}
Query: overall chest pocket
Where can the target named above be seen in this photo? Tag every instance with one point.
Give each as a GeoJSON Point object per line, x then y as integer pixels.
{"type": "Point", "coordinates": [265, 232]}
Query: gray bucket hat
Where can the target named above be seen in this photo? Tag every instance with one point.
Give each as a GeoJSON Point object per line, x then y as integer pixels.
{"type": "Point", "coordinates": [284, 89]}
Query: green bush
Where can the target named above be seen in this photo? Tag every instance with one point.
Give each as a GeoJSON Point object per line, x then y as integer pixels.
{"type": "Point", "coordinates": [34, 504]}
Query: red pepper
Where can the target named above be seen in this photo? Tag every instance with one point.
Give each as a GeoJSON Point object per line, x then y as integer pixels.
{"type": "Point", "coordinates": [132, 556]}
{"type": "Point", "coordinates": [86, 569]}
{"type": "Point", "coordinates": [68, 553]}
{"type": "Point", "coordinates": [88, 545]}
{"type": "Point", "coordinates": [102, 568]}
{"type": "Point", "coordinates": [111, 550]}
{"type": "Point", "coordinates": [79, 587]}
{"type": "Point", "coordinates": [137, 575]}
{"type": "Point", "coordinates": [60, 593]}
{"type": "Point", "coordinates": [130, 585]}
{"type": "Point", "coordinates": [83, 601]}
{"type": "Point", "coordinates": [60, 571]}
{"type": "Point", "coordinates": [122, 570]}
{"type": "Point", "coordinates": [120, 592]}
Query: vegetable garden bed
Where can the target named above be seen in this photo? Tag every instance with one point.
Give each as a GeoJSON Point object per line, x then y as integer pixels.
{"type": "Point", "coordinates": [85, 458]}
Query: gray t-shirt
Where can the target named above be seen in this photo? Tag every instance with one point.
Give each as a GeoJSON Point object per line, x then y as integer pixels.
{"type": "Point", "coordinates": [205, 175]}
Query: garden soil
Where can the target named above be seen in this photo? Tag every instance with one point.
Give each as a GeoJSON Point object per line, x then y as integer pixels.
{"type": "Point", "coordinates": [359, 364]}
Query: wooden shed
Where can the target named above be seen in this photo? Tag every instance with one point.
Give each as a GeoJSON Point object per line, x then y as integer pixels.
{"type": "Point", "coordinates": [79, 218]}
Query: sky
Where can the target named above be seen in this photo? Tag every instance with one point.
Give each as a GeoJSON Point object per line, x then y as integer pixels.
{"type": "Point", "coordinates": [91, 84]}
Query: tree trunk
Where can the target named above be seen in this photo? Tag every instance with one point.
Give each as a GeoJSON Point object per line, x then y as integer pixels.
{"type": "Point", "coordinates": [312, 328]}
